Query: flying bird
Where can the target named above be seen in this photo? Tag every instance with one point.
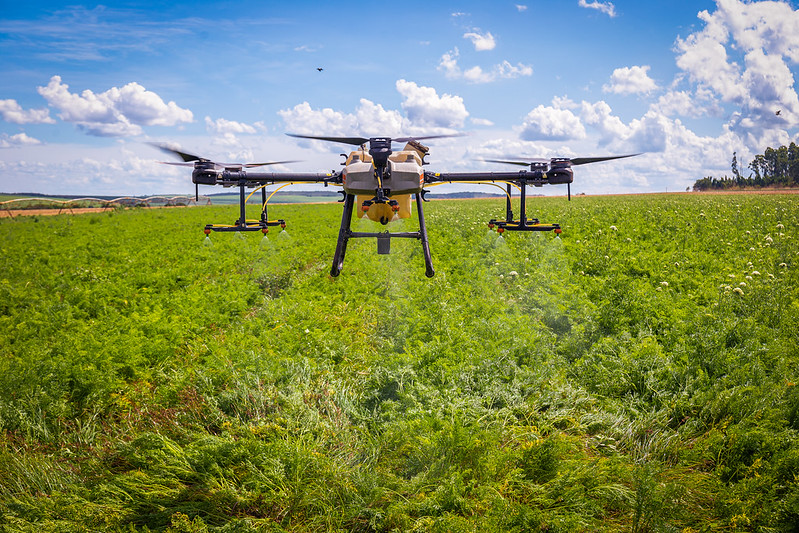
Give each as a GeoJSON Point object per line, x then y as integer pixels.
{"type": "Point", "coordinates": [778, 112]}
{"type": "Point", "coordinates": [320, 69]}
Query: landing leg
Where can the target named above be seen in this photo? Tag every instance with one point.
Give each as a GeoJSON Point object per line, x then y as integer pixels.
{"type": "Point", "coordinates": [343, 235]}
{"type": "Point", "coordinates": [428, 261]}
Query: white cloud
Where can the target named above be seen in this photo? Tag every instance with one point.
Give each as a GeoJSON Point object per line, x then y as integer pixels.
{"type": "Point", "coordinates": [610, 127]}
{"type": "Point", "coordinates": [223, 126]}
{"type": "Point", "coordinates": [20, 139]}
{"type": "Point", "coordinates": [551, 124]}
{"type": "Point", "coordinates": [425, 108]}
{"type": "Point", "coordinates": [304, 120]}
{"type": "Point", "coordinates": [12, 112]}
{"type": "Point", "coordinates": [505, 70]}
{"type": "Point", "coordinates": [481, 42]}
{"type": "Point", "coordinates": [425, 112]}
{"type": "Point", "coordinates": [630, 80]}
{"type": "Point", "coordinates": [116, 112]}
{"type": "Point", "coordinates": [521, 7]}
{"type": "Point", "coordinates": [605, 7]}
{"type": "Point", "coordinates": [743, 57]}
{"type": "Point", "coordinates": [374, 120]}
{"type": "Point", "coordinates": [481, 121]}
{"type": "Point", "coordinates": [680, 103]}
{"type": "Point", "coordinates": [369, 119]}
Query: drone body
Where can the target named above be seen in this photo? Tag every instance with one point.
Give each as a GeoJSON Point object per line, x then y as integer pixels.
{"type": "Point", "coordinates": [382, 183]}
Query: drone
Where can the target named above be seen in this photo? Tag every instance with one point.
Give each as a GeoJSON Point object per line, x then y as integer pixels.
{"type": "Point", "coordinates": [381, 181]}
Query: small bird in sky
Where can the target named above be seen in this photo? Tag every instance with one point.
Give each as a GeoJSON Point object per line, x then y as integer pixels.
{"type": "Point", "coordinates": [778, 112]}
{"type": "Point", "coordinates": [320, 69]}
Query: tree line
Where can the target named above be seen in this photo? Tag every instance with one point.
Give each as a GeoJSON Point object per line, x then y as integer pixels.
{"type": "Point", "coordinates": [776, 167]}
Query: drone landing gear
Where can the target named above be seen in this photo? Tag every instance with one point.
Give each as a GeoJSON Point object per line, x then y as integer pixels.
{"type": "Point", "coordinates": [524, 223]}
{"type": "Point", "coordinates": [383, 238]}
{"type": "Point", "coordinates": [242, 224]}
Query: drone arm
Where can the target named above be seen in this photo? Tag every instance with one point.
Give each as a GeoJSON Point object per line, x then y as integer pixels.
{"type": "Point", "coordinates": [254, 179]}
{"type": "Point", "coordinates": [533, 178]}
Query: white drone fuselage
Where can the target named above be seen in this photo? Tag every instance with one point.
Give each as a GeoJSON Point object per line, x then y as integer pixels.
{"type": "Point", "coordinates": [403, 177]}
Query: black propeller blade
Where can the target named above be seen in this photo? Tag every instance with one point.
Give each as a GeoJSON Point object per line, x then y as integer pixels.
{"type": "Point", "coordinates": [520, 163]}
{"type": "Point", "coordinates": [358, 141]}
{"type": "Point", "coordinates": [574, 161]}
{"type": "Point", "coordinates": [190, 160]}
{"type": "Point", "coordinates": [586, 160]}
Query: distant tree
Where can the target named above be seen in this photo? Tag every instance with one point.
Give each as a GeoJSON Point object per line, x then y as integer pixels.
{"type": "Point", "coordinates": [774, 167]}
{"type": "Point", "coordinates": [735, 173]}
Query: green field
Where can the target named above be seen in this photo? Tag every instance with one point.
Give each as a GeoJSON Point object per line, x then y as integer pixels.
{"type": "Point", "coordinates": [639, 373]}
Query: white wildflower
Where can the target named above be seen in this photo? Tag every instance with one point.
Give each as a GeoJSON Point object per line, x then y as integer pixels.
{"type": "Point", "coordinates": [738, 290]}
{"type": "Point", "coordinates": [513, 273]}
{"type": "Point", "coordinates": [755, 273]}
{"type": "Point", "coordinates": [742, 284]}
{"type": "Point", "coordinates": [614, 228]}
{"type": "Point", "coordinates": [664, 283]}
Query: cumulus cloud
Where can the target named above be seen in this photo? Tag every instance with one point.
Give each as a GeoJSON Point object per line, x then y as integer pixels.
{"type": "Point", "coordinates": [116, 112]}
{"type": "Point", "coordinates": [224, 126]}
{"type": "Point", "coordinates": [743, 57]}
{"type": "Point", "coordinates": [677, 103]}
{"type": "Point", "coordinates": [605, 7]}
{"type": "Point", "coordinates": [424, 111]}
{"type": "Point", "coordinates": [481, 121]}
{"type": "Point", "coordinates": [547, 123]}
{"type": "Point", "coordinates": [424, 107]}
{"type": "Point", "coordinates": [375, 120]}
{"type": "Point", "coordinates": [505, 70]}
{"type": "Point", "coordinates": [12, 112]}
{"type": "Point", "coordinates": [480, 41]}
{"type": "Point", "coordinates": [305, 120]}
{"type": "Point", "coordinates": [368, 119]}
{"type": "Point", "coordinates": [630, 80]}
{"type": "Point", "coordinates": [521, 7]}
{"type": "Point", "coordinates": [20, 139]}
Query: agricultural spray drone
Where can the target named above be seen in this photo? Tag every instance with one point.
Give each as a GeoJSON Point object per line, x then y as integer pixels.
{"type": "Point", "coordinates": [381, 182]}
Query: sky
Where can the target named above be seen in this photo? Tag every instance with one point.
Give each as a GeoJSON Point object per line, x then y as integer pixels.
{"type": "Point", "coordinates": [86, 87]}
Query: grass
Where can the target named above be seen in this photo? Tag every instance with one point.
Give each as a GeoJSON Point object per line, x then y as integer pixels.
{"type": "Point", "coordinates": [638, 373]}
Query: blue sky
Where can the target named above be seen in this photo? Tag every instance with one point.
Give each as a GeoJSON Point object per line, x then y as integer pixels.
{"type": "Point", "coordinates": [85, 87]}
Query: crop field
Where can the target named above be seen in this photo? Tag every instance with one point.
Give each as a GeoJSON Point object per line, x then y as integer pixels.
{"type": "Point", "coordinates": [638, 373]}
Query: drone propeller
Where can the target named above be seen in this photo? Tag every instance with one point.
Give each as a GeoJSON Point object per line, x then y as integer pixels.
{"type": "Point", "coordinates": [202, 164]}
{"type": "Point", "coordinates": [573, 161]}
{"type": "Point", "coordinates": [586, 160]}
{"type": "Point", "coordinates": [561, 162]}
{"type": "Point", "coordinates": [190, 160]}
{"type": "Point", "coordinates": [358, 141]}
{"type": "Point", "coordinates": [520, 163]}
